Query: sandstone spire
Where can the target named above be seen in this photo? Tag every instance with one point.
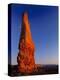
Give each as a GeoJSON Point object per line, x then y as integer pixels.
{"type": "Point", "coordinates": [25, 57]}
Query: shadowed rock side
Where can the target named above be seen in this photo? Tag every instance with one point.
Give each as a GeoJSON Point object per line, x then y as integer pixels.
{"type": "Point", "coordinates": [25, 59]}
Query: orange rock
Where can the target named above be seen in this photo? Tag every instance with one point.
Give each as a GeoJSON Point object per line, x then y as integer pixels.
{"type": "Point", "coordinates": [25, 59]}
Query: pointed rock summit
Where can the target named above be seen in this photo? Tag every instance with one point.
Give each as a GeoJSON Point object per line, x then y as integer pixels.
{"type": "Point", "coordinates": [25, 59]}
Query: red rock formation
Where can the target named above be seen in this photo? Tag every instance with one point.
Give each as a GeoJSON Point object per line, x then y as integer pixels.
{"type": "Point", "coordinates": [25, 57]}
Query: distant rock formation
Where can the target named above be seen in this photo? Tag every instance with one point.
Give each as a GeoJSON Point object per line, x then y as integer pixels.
{"type": "Point", "coordinates": [25, 59]}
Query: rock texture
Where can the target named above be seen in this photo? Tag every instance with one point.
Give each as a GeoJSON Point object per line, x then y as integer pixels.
{"type": "Point", "coordinates": [25, 58]}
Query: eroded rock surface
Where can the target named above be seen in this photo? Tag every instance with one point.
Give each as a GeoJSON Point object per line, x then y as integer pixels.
{"type": "Point", "coordinates": [25, 59]}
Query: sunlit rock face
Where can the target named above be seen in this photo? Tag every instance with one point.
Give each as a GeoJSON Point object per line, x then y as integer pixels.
{"type": "Point", "coordinates": [25, 59]}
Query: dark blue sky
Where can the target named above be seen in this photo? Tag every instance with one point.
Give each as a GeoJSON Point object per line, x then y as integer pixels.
{"type": "Point", "coordinates": [44, 30]}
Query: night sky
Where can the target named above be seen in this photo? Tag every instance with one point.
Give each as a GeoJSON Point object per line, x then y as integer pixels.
{"type": "Point", "coordinates": [44, 30]}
